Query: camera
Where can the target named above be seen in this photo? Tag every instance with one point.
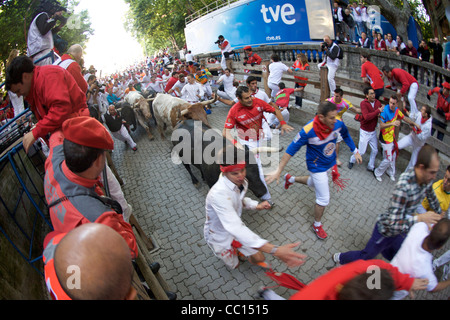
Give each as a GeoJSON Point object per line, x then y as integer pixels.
{"type": "Point", "coordinates": [323, 46]}
{"type": "Point", "coordinates": [217, 42]}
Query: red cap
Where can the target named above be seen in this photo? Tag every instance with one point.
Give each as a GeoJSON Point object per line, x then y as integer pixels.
{"type": "Point", "coordinates": [247, 48]}
{"type": "Point", "coordinates": [446, 85]}
{"type": "Point", "coordinates": [89, 132]}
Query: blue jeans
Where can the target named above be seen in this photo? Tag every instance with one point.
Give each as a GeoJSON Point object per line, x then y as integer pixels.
{"type": "Point", "coordinates": [387, 246]}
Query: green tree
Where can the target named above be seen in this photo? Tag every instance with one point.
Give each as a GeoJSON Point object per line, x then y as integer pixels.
{"type": "Point", "coordinates": [397, 12]}
{"type": "Point", "coordinates": [160, 23]}
{"type": "Point", "coordinates": [16, 17]}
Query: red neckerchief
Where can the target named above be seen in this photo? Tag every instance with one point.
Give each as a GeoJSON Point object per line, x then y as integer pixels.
{"type": "Point", "coordinates": [321, 130]}
{"type": "Point", "coordinates": [422, 121]}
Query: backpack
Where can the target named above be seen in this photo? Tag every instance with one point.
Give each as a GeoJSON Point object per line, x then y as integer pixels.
{"type": "Point", "coordinates": [340, 54]}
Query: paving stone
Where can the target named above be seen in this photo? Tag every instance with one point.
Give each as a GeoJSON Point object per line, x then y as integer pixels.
{"type": "Point", "coordinates": [171, 209]}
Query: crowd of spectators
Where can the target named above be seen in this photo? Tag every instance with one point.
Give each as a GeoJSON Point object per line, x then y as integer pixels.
{"type": "Point", "coordinates": [191, 81]}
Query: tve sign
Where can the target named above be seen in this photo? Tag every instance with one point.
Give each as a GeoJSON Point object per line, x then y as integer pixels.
{"type": "Point", "coordinates": [284, 11]}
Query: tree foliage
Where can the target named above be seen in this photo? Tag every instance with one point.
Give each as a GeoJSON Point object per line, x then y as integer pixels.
{"type": "Point", "coordinates": [16, 17]}
{"type": "Point", "coordinates": [160, 23]}
{"type": "Point", "coordinates": [397, 12]}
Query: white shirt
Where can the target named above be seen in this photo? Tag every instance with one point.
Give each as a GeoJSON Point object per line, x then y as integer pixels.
{"type": "Point", "coordinates": [421, 138]}
{"type": "Point", "coordinates": [224, 204]}
{"type": "Point", "coordinates": [156, 86]}
{"type": "Point", "coordinates": [145, 80]}
{"type": "Point", "coordinates": [166, 77]}
{"type": "Point", "coordinates": [262, 95]}
{"type": "Point", "coordinates": [414, 260]}
{"type": "Point", "coordinates": [391, 45]}
{"type": "Point", "coordinates": [103, 103]}
{"type": "Point", "coordinates": [276, 70]}
{"type": "Point", "coordinates": [189, 57]}
{"type": "Point", "coordinates": [227, 81]}
{"type": "Point", "coordinates": [17, 103]}
{"type": "Point", "coordinates": [190, 92]}
{"type": "Point", "coordinates": [357, 14]}
{"type": "Point", "coordinates": [178, 85]}
{"type": "Point", "coordinates": [36, 41]}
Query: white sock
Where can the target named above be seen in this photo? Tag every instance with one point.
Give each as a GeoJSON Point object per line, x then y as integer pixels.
{"type": "Point", "coordinates": [291, 179]}
{"type": "Point", "coordinates": [317, 224]}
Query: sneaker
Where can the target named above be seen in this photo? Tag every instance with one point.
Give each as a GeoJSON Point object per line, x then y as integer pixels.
{"type": "Point", "coordinates": [445, 272]}
{"type": "Point", "coordinates": [391, 177]}
{"type": "Point", "coordinates": [376, 177]}
{"type": "Point", "coordinates": [264, 265]}
{"type": "Point", "coordinates": [350, 165]}
{"type": "Point", "coordinates": [135, 149]}
{"type": "Point", "coordinates": [336, 258]}
{"type": "Point", "coordinates": [287, 184]}
{"type": "Point", "coordinates": [320, 233]}
{"type": "Point", "coordinates": [370, 170]}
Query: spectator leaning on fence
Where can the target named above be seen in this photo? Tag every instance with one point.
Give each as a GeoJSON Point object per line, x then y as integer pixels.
{"type": "Point", "coordinates": [333, 53]}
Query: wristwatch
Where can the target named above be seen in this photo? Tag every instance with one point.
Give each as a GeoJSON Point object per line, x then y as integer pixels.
{"type": "Point", "coordinates": [274, 250]}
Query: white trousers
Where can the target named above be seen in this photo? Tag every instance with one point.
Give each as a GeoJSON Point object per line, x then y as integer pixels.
{"type": "Point", "coordinates": [251, 145]}
{"type": "Point", "coordinates": [331, 75]}
{"type": "Point", "coordinates": [367, 138]}
{"type": "Point", "coordinates": [274, 87]}
{"type": "Point", "coordinates": [273, 120]}
{"type": "Point", "coordinates": [412, 92]}
{"type": "Point", "coordinates": [408, 141]}
{"type": "Point", "coordinates": [388, 163]}
{"type": "Point", "coordinates": [320, 182]}
{"type": "Point", "coordinates": [124, 136]}
{"type": "Point", "coordinates": [208, 89]}
{"type": "Point", "coordinates": [229, 95]}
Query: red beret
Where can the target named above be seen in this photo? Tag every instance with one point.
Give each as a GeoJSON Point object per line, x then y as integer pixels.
{"type": "Point", "coordinates": [88, 132]}
{"type": "Point", "coordinates": [247, 48]}
{"type": "Point", "coordinates": [446, 85]}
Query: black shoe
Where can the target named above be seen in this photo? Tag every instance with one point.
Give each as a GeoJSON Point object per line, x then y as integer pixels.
{"type": "Point", "coordinates": [370, 170]}
{"type": "Point", "coordinates": [272, 204]}
{"type": "Point", "coordinates": [155, 266]}
{"type": "Point", "coordinates": [350, 165]}
{"type": "Point", "coordinates": [171, 295]}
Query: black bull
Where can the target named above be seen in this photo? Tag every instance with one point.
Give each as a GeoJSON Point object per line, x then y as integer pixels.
{"type": "Point", "coordinates": [211, 172]}
{"type": "Point", "coordinates": [127, 114]}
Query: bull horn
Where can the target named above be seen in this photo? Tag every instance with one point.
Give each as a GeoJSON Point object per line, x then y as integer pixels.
{"type": "Point", "coordinates": [184, 112]}
{"type": "Point", "coordinates": [266, 150]}
{"type": "Point", "coordinates": [151, 99]}
{"type": "Point", "coordinates": [205, 103]}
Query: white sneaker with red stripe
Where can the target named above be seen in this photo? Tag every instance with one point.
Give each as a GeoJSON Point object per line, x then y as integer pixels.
{"type": "Point", "coordinates": [287, 184]}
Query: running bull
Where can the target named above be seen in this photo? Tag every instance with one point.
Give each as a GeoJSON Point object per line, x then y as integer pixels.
{"type": "Point", "coordinates": [196, 148]}
{"type": "Point", "coordinates": [169, 111]}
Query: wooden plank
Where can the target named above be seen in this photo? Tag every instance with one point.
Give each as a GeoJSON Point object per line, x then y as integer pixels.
{"type": "Point", "coordinates": [161, 282]}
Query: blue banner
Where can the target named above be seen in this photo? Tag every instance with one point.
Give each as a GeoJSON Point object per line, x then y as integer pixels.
{"type": "Point", "coordinates": [261, 22]}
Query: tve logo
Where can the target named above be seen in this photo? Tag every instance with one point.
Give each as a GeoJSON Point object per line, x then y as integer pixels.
{"type": "Point", "coordinates": [284, 11]}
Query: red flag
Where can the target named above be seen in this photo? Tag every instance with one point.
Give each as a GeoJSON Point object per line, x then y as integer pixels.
{"type": "Point", "coordinates": [285, 280]}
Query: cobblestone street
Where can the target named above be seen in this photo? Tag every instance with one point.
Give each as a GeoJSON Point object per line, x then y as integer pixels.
{"type": "Point", "coordinates": [170, 209]}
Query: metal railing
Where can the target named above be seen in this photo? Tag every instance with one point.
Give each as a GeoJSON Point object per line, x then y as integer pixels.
{"type": "Point", "coordinates": [208, 9]}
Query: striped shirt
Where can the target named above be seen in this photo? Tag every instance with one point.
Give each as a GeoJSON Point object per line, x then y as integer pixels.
{"type": "Point", "coordinates": [407, 196]}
